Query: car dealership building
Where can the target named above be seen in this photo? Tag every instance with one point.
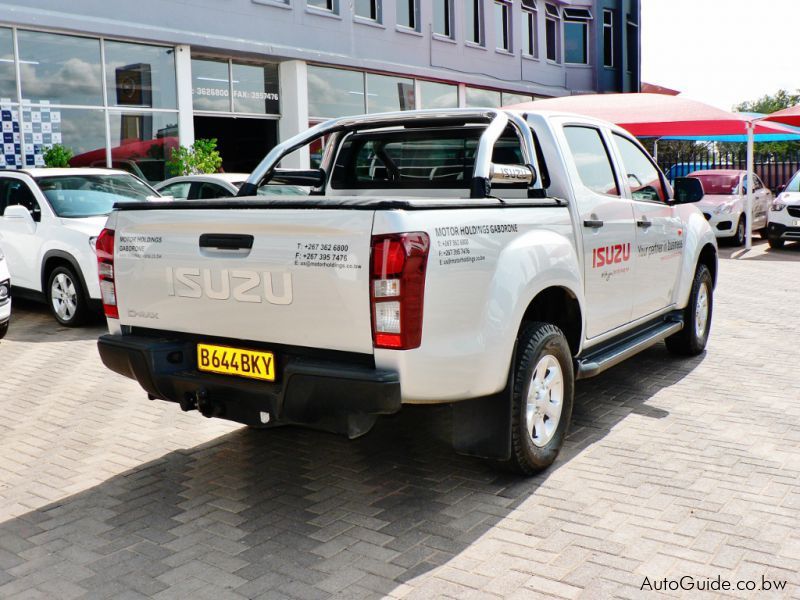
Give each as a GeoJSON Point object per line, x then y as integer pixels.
{"type": "Point", "coordinates": [121, 83]}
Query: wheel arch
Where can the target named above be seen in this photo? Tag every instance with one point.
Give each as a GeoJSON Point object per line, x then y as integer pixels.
{"type": "Point", "coordinates": [708, 257]}
{"type": "Point", "coordinates": [559, 306]}
{"type": "Point", "coordinates": [56, 258]}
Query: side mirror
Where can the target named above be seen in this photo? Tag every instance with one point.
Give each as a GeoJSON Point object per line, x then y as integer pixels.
{"type": "Point", "coordinates": [688, 190]}
{"type": "Point", "coordinates": [20, 217]}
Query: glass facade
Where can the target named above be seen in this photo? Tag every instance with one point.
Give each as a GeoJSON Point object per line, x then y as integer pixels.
{"type": "Point", "coordinates": [124, 109]}
{"type": "Point", "coordinates": [8, 77]}
{"type": "Point", "coordinates": [140, 76]}
{"type": "Point", "coordinates": [386, 94]}
{"type": "Point", "coordinates": [220, 85]}
{"type": "Point", "coordinates": [437, 95]}
{"type": "Point", "coordinates": [335, 92]}
{"type": "Point", "coordinates": [60, 69]}
{"type": "Point", "coordinates": [480, 98]}
{"type": "Point", "coordinates": [211, 85]}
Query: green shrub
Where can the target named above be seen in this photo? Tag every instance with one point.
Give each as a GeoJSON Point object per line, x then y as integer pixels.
{"type": "Point", "coordinates": [202, 157]}
{"type": "Point", "coordinates": [58, 157]}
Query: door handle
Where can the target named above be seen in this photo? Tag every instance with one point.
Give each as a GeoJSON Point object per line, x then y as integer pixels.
{"type": "Point", "coordinates": [644, 223]}
{"type": "Point", "coordinates": [593, 223]}
{"type": "Point", "coordinates": [226, 241]}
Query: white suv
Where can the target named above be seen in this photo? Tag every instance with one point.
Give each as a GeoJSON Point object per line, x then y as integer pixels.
{"type": "Point", "coordinates": [50, 221]}
{"type": "Point", "coordinates": [784, 215]}
{"type": "Point", "coordinates": [5, 296]}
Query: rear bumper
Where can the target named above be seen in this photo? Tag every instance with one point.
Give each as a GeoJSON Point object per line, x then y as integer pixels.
{"type": "Point", "coordinates": [306, 390]}
{"type": "Point", "coordinates": [778, 231]}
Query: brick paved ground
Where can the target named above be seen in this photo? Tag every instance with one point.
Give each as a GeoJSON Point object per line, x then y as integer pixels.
{"type": "Point", "coordinates": [672, 468]}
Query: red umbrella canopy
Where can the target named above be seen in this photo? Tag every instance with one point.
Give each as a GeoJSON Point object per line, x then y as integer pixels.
{"type": "Point", "coordinates": [654, 115]}
{"type": "Point", "coordinates": [788, 116]}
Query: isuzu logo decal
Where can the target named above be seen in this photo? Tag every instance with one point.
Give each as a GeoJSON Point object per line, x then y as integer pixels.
{"type": "Point", "coordinates": [243, 286]}
{"type": "Point", "coordinates": [611, 255]}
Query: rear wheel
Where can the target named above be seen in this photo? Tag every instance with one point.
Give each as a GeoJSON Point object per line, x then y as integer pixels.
{"type": "Point", "coordinates": [541, 399]}
{"type": "Point", "coordinates": [692, 339]}
{"type": "Point", "coordinates": [66, 297]}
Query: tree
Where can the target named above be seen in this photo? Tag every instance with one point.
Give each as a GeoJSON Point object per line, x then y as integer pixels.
{"type": "Point", "coordinates": [202, 157]}
{"type": "Point", "coordinates": [58, 157]}
{"type": "Point", "coordinates": [766, 104]}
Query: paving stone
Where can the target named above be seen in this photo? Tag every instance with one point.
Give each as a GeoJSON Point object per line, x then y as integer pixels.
{"type": "Point", "coordinates": [665, 472]}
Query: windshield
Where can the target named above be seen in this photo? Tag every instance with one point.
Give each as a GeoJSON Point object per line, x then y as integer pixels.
{"type": "Point", "coordinates": [794, 184]}
{"type": "Point", "coordinates": [75, 196]}
{"type": "Point", "coordinates": [718, 184]}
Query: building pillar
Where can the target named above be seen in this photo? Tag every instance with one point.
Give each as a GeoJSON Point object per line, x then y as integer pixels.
{"type": "Point", "coordinates": [183, 72]}
{"type": "Point", "coordinates": [462, 95]}
{"type": "Point", "coordinates": [293, 76]}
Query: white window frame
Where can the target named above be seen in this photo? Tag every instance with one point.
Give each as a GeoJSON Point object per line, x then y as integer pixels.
{"type": "Point", "coordinates": [375, 12]}
{"type": "Point", "coordinates": [477, 7]}
{"type": "Point", "coordinates": [449, 24]}
{"type": "Point", "coordinates": [530, 14]}
{"type": "Point", "coordinates": [553, 15]}
{"type": "Point", "coordinates": [583, 18]}
{"type": "Point", "coordinates": [608, 26]}
{"type": "Point", "coordinates": [507, 8]}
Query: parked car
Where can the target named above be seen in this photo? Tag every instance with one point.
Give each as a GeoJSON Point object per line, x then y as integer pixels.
{"type": "Point", "coordinates": [50, 221]}
{"type": "Point", "coordinates": [784, 215]}
{"type": "Point", "coordinates": [5, 296]}
{"type": "Point", "coordinates": [454, 257]}
{"type": "Point", "coordinates": [723, 203]}
{"type": "Point", "coordinates": [219, 185]}
{"type": "Point", "coordinates": [682, 169]}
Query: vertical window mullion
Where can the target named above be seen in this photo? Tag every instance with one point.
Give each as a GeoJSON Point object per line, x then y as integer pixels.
{"type": "Point", "coordinates": [106, 118]}
{"type": "Point", "coordinates": [21, 119]}
{"type": "Point", "coordinates": [447, 25]}
{"type": "Point", "coordinates": [230, 84]}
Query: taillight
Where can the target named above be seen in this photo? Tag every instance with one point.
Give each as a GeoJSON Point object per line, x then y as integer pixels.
{"type": "Point", "coordinates": [397, 289]}
{"type": "Point", "coordinates": [104, 247]}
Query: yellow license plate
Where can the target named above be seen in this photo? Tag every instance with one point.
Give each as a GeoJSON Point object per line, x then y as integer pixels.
{"type": "Point", "coordinates": [236, 361]}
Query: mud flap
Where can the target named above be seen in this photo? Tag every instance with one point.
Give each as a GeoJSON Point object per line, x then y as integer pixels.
{"type": "Point", "coordinates": [482, 426]}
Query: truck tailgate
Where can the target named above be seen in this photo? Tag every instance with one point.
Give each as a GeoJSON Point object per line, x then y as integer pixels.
{"type": "Point", "coordinates": [303, 282]}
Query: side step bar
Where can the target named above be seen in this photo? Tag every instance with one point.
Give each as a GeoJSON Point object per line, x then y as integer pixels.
{"type": "Point", "coordinates": [601, 359]}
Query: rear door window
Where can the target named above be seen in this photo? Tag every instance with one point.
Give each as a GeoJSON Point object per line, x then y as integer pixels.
{"type": "Point", "coordinates": [592, 159]}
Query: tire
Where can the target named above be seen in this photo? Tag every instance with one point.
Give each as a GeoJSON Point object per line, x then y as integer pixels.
{"type": "Point", "coordinates": [692, 339]}
{"type": "Point", "coordinates": [66, 297]}
{"type": "Point", "coordinates": [776, 243]}
{"type": "Point", "coordinates": [740, 237]}
{"type": "Point", "coordinates": [4, 329]}
{"type": "Point", "coordinates": [542, 354]}
{"type": "Point", "coordinates": [763, 234]}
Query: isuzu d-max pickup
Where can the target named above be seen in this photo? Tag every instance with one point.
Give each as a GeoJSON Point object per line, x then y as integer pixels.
{"type": "Point", "coordinates": [480, 258]}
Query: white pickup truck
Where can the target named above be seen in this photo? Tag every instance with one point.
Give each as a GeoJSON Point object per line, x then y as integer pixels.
{"type": "Point", "coordinates": [480, 258]}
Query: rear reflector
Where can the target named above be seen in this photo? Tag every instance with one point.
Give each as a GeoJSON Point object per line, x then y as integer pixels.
{"type": "Point", "coordinates": [399, 262]}
{"type": "Point", "coordinates": [105, 270]}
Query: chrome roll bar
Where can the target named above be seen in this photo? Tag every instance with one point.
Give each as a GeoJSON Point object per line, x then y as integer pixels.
{"type": "Point", "coordinates": [497, 121]}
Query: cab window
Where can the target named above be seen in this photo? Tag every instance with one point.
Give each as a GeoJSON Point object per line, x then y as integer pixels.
{"type": "Point", "coordinates": [15, 191]}
{"type": "Point", "coordinates": [591, 159]}
{"type": "Point", "coordinates": [178, 189]}
{"type": "Point", "coordinates": [642, 175]}
{"type": "Point", "coordinates": [209, 191]}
